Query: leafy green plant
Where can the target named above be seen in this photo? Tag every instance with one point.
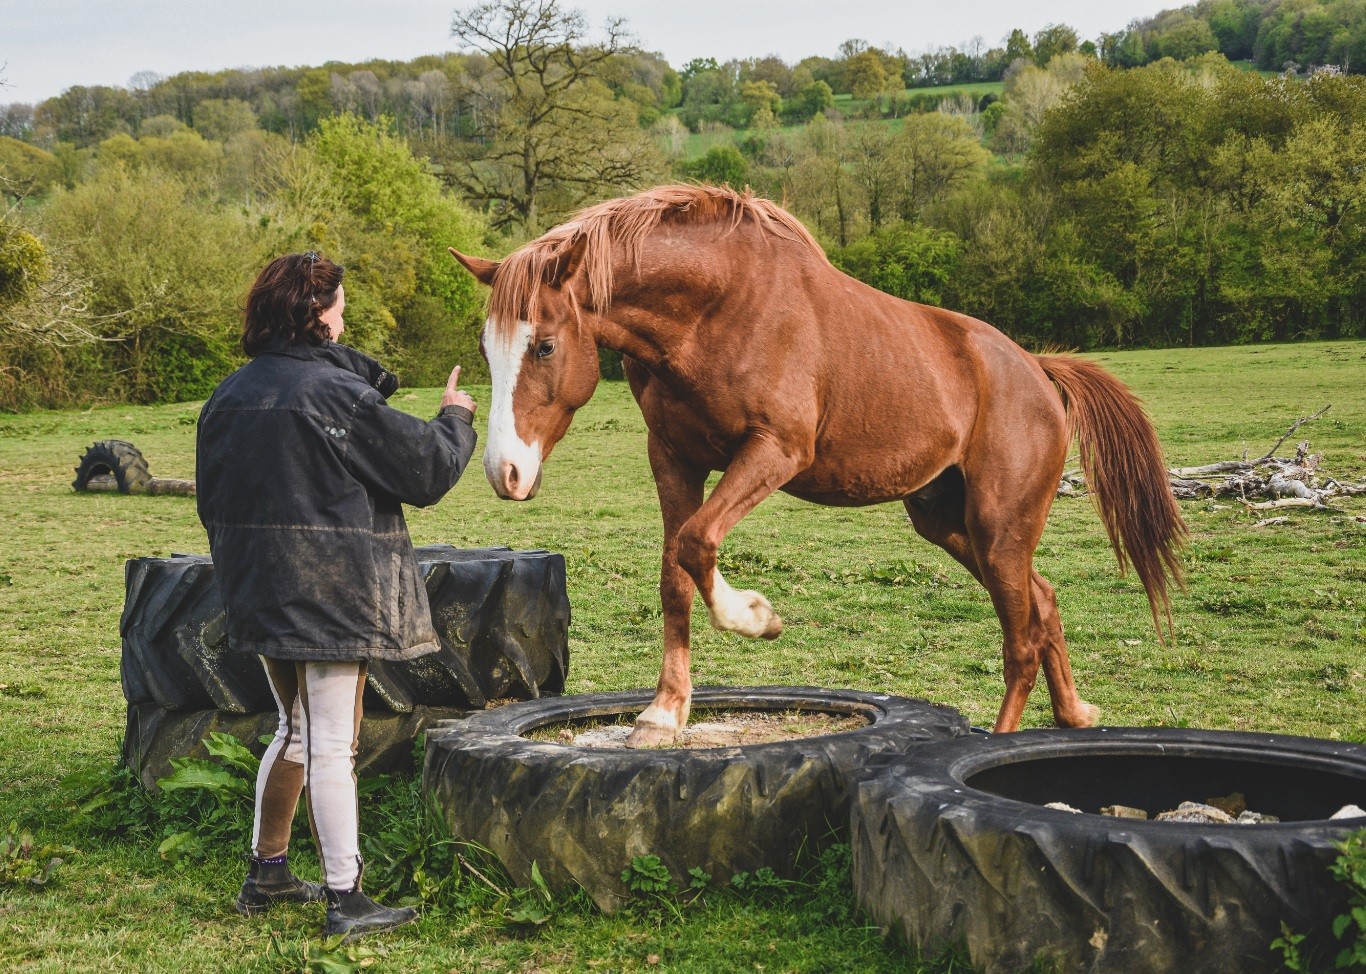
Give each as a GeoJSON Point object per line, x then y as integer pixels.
{"type": "Point", "coordinates": [764, 885]}
{"type": "Point", "coordinates": [647, 874]}
{"type": "Point", "coordinates": [657, 893]}
{"type": "Point", "coordinates": [1288, 943]}
{"type": "Point", "coordinates": [1350, 868]}
{"type": "Point", "coordinates": [202, 803]}
{"type": "Point", "coordinates": [412, 859]}
{"type": "Point", "coordinates": [24, 862]}
{"type": "Point", "coordinates": [330, 956]}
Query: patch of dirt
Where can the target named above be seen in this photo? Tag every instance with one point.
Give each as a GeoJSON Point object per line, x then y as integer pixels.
{"type": "Point", "coordinates": [715, 728]}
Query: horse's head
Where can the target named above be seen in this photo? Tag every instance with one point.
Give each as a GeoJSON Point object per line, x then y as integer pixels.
{"type": "Point", "coordinates": [543, 361]}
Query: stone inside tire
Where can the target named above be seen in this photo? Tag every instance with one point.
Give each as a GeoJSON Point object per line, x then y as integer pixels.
{"type": "Point", "coordinates": [952, 844]}
{"type": "Point", "coordinates": [582, 813]}
{"type": "Point", "coordinates": [117, 458]}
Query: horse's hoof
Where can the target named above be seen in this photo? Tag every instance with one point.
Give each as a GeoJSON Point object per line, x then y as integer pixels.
{"type": "Point", "coordinates": [650, 735]}
{"type": "Point", "coordinates": [1085, 715]}
{"type": "Point", "coordinates": [747, 613]}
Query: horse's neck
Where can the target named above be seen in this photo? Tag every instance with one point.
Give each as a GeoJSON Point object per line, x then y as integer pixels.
{"type": "Point", "coordinates": [653, 332]}
{"type": "Point", "coordinates": [647, 336]}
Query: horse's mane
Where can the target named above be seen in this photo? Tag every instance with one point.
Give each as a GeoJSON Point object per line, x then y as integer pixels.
{"type": "Point", "coordinates": [625, 223]}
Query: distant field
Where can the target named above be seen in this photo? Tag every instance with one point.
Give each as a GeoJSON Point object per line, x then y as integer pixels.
{"type": "Point", "coordinates": [1269, 637]}
{"type": "Point", "coordinates": [698, 143]}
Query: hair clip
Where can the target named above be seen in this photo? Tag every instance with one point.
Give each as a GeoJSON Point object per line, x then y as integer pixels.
{"type": "Point", "coordinates": [312, 257]}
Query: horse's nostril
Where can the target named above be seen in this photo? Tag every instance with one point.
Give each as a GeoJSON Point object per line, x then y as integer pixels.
{"type": "Point", "coordinates": [512, 475]}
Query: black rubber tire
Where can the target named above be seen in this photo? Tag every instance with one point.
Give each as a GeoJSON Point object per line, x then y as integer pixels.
{"type": "Point", "coordinates": [942, 858]}
{"type": "Point", "coordinates": [502, 617]}
{"type": "Point", "coordinates": [118, 458]}
{"type": "Point", "coordinates": [155, 735]}
{"type": "Point", "coordinates": [503, 620]}
{"type": "Point", "coordinates": [582, 813]}
{"type": "Point", "coordinates": [175, 641]}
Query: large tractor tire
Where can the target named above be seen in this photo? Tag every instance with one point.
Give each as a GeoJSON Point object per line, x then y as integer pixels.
{"type": "Point", "coordinates": [582, 813]}
{"type": "Point", "coordinates": [952, 844]}
{"type": "Point", "coordinates": [502, 617]}
{"type": "Point", "coordinates": [118, 459]}
{"type": "Point", "coordinates": [175, 641]}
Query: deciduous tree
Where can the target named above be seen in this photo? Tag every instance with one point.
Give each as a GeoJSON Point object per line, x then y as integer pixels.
{"type": "Point", "coordinates": [552, 136]}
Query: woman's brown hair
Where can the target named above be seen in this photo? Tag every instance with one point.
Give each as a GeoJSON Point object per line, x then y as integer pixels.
{"type": "Point", "coordinates": [288, 298]}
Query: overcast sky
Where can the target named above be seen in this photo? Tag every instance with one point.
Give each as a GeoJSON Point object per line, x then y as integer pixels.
{"type": "Point", "coordinates": [50, 45]}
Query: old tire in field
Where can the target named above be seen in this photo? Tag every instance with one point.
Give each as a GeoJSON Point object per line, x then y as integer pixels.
{"type": "Point", "coordinates": [175, 641]}
{"type": "Point", "coordinates": [951, 845]}
{"type": "Point", "coordinates": [155, 735]}
{"type": "Point", "coordinates": [502, 618]}
{"type": "Point", "coordinates": [581, 813]}
{"type": "Point", "coordinates": [117, 458]}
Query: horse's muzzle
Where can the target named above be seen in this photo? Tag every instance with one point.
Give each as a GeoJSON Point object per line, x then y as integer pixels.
{"type": "Point", "coordinates": [511, 483]}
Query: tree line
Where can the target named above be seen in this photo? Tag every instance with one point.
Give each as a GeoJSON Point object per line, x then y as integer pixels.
{"type": "Point", "coordinates": [1087, 204]}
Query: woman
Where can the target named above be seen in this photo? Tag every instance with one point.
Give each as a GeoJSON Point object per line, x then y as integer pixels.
{"type": "Point", "coordinates": [303, 469]}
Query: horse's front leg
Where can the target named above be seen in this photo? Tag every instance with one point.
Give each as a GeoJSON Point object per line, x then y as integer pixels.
{"type": "Point", "coordinates": [680, 495]}
{"type": "Point", "coordinates": [761, 466]}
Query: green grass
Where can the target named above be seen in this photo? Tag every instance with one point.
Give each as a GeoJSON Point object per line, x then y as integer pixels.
{"type": "Point", "coordinates": [697, 143]}
{"type": "Point", "coordinates": [1269, 637]}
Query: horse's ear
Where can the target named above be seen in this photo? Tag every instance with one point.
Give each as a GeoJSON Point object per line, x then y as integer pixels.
{"type": "Point", "coordinates": [480, 268]}
{"type": "Point", "coordinates": [564, 266]}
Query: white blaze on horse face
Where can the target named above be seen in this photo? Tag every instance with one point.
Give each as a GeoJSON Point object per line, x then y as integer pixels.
{"type": "Point", "coordinates": [746, 612]}
{"type": "Point", "coordinates": [511, 464]}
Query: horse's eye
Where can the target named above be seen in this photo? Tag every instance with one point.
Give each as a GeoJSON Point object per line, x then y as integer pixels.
{"type": "Point", "coordinates": [545, 348]}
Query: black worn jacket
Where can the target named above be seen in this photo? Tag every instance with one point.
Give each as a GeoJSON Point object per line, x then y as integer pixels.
{"type": "Point", "coordinates": [302, 472]}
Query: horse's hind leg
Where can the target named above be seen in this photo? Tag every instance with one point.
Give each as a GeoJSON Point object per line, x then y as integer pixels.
{"type": "Point", "coordinates": [1069, 709]}
{"type": "Point", "coordinates": [1002, 561]}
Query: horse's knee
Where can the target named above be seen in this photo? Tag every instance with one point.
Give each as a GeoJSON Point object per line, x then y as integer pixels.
{"type": "Point", "coordinates": [695, 553]}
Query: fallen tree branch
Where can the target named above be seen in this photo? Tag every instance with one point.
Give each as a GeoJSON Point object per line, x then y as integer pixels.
{"type": "Point", "coordinates": [1265, 483]}
{"type": "Point", "coordinates": [1288, 433]}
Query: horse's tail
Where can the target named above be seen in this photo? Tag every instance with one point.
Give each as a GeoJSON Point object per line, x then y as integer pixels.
{"type": "Point", "coordinates": [1126, 474]}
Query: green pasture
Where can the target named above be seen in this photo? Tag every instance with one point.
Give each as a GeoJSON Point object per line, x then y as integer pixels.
{"type": "Point", "coordinates": [697, 143]}
{"type": "Point", "coordinates": [1269, 637]}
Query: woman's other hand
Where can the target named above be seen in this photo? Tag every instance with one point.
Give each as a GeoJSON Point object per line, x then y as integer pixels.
{"type": "Point", "coordinates": [453, 396]}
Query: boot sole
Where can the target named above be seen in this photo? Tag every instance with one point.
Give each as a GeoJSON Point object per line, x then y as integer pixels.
{"type": "Point", "coordinates": [353, 935]}
{"type": "Point", "coordinates": [249, 909]}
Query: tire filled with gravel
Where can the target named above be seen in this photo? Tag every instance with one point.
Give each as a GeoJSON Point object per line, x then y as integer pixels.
{"type": "Point", "coordinates": [953, 845]}
{"type": "Point", "coordinates": [502, 618]}
{"type": "Point", "coordinates": [582, 813]}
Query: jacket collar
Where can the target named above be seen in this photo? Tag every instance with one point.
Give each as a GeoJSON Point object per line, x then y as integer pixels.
{"type": "Point", "coordinates": [342, 356]}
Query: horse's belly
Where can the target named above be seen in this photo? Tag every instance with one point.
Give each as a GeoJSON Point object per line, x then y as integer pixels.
{"type": "Point", "coordinates": [863, 481]}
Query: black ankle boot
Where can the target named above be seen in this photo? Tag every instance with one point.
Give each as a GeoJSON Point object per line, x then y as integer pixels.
{"type": "Point", "coordinates": [269, 883]}
{"type": "Point", "coordinates": [354, 914]}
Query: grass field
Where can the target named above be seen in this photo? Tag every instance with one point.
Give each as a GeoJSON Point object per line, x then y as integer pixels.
{"type": "Point", "coordinates": [1269, 637]}
{"type": "Point", "coordinates": [697, 143]}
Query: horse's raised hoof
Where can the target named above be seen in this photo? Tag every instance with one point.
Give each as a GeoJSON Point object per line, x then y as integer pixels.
{"type": "Point", "coordinates": [1083, 715]}
{"type": "Point", "coordinates": [651, 735]}
{"type": "Point", "coordinates": [747, 613]}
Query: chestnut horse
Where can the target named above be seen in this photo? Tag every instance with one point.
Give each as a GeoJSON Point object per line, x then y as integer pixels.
{"type": "Point", "coordinates": [749, 353]}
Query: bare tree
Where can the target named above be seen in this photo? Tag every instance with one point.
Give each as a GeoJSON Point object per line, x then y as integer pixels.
{"type": "Point", "coordinates": [369, 92]}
